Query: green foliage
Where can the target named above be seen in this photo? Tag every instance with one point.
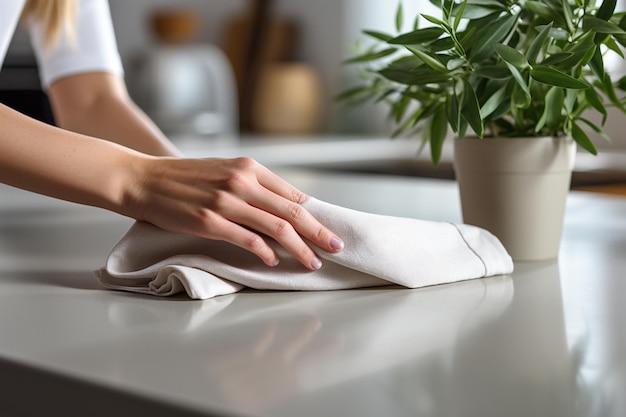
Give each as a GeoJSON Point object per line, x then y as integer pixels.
{"type": "Point", "coordinates": [509, 68]}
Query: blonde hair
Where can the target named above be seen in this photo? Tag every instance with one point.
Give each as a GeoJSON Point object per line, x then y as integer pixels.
{"type": "Point", "coordinates": [56, 16]}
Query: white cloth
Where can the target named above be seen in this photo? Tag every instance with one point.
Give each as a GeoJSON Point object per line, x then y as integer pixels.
{"type": "Point", "coordinates": [379, 250]}
{"type": "Point", "coordinates": [94, 49]}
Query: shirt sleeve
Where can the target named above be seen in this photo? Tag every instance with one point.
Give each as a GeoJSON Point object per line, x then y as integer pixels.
{"type": "Point", "coordinates": [93, 49]}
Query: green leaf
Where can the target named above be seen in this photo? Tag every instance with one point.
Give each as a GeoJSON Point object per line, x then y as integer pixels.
{"type": "Point", "coordinates": [580, 56]}
{"type": "Point", "coordinates": [596, 129]}
{"type": "Point", "coordinates": [436, 21]}
{"type": "Point", "coordinates": [559, 34]}
{"type": "Point", "coordinates": [621, 83]}
{"type": "Point", "coordinates": [452, 111]}
{"type": "Point", "coordinates": [415, 118]}
{"type": "Point", "coordinates": [477, 11]}
{"type": "Point", "coordinates": [601, 26]}
{"type": "Point", "coordinates": [609, 90]}
{"type": "Point", "coordinates": [400, 107]}
{"type": "Point", "coordinates": [552, 76]}
{"type": "Point", "coordinates": [613, 46]}
{"type": "Point", "coordinates": [399, 17]}
{"type": "Point", "coordinates": [446, 8]}
{"type": "Point", "coordinates": [587, 57]}
{"type": "Point", "coordinates": [605, 12]}
{"type": "Point", "coordinates": [492, 72]}
{"type": "Point", "coordinates": [385, 94]}
{"type": "Point", "coordinates": [418, 76]}
{"type": "Point", "coordinates": [454, 64]}
{"type": "Point", "coordinates": [494, 33]}
{"type": "Point", "coordinates": [442, 44]}
{"type": "Point", "coordinates": [557, 58]}
{"type": "Point", "coordinates": [569, 15]}
{"type": "Point", "coordinates": [582, 139]}
{"type": "Point", "coordinates": [519, 79]}
{"type": "Point", "coordinates": [552, 116]}
{"type": "Point", "coordinates": [471, 109]}
{"type": "Point", "coordinates": [597, 63]}
{"type": "Point", "coordinates": [353, 93]}
{"type": "Point", "coordinates": [520, 99]}
{"type": "Point", "coordinates": [459, 15]}
{"type": "Point", "coordinates": [493, 103]}
{"type": "Point", "coordinates": [432, 61]}
{"type": "Point", "coordinates": [538, 43]}
{"type": "Point", "coordinates": [541, 9]}
{"type": "Point", "coordinates": [438, 130]}
{"type": "Point", "coordinates": [417, 37]}
{"type": "Point", "coordinates": [571, 97]}
{"type": "Point", "coordinates": [594, 99]}
{"type": "Point", "coordinates": [378, 35]}
{"type": "Point", "coordinates": [495, 4]}
{"type": "Point", "coordinates": [370, 56]}
{"type": "Point", "coordinates": [511, 56]}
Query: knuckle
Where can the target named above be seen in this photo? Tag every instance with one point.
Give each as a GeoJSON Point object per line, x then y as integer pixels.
{"type": "Point", "coordinates": [236, 181]}
{"type": "Point", "coordinates": [298, 196]}
{"type": "Point", "coordinates": [322, 235]}
{"type": "Point", "coordinates": [282, 228]}
{"type": "Point", "coordinates": [221, 200]}
{"type": "Point", "coordinates": [254, 243]}
{"type": "Point", "coordinates": [207, 219]}
{"type": "Point", "coordinates": [296, 211]}
{"type": "Point", "coordinates": [245, 163]}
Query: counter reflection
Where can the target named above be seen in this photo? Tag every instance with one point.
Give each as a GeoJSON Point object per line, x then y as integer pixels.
{"type": "Point", "coordinates": [263, 353]}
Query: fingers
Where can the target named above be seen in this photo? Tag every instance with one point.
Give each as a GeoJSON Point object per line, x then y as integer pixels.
{"type": "Point", "coordinates": [236, 212]}
{"type": "Point", "coordinates": [276, 184]}
{"type": "Point", "coordinates": [268, 204]}
{"type": "Point", "coordinates": [281, 198]}
{"type": "Point", "coordinates": [240, 236]}
{"type": "Point", "coordinates": [288, 223]}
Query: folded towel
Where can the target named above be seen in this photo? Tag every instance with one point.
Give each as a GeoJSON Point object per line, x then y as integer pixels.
{"type": "Point", "coordinates": [379, 250]}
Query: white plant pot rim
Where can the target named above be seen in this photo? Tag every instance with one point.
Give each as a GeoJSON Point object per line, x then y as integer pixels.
{"type": "Point", "coordinates": [536, 154]}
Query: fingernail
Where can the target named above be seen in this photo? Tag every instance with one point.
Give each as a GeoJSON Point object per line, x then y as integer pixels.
{"type": "Point", "coordinates": [316, 263]}
{"type": "Point", "coordinates": [336, 243]}
{"type": "Point", "coordinates": [275, 262]}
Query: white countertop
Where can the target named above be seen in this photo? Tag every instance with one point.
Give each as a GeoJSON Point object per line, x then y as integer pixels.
{"type": "Point", "coordinates": [546, 341]}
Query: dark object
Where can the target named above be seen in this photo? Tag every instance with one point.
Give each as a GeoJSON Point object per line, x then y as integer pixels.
{"type": "Point", "coordinates": [252, 41]}
{"type": "Point", "coordinates": [20, 88]}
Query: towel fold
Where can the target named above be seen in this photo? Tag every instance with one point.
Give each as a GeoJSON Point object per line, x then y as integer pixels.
{"type": "Point", "coordinates": [379, 250]}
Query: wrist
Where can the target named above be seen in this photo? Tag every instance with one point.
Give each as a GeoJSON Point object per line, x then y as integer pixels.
{"type": "Point", "coordinates": [132, 185]}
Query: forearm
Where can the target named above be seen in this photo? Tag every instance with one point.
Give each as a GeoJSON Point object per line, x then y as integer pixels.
{"type": "Point", "coordinates": [98, 105]}
{"type": "Point", "coordinates": [51, 161]}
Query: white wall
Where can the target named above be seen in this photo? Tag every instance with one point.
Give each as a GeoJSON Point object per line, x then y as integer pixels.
{"type": "Point", "coordinates": [132, 27]}
{"type": "Point", "coordinates": [320, 24]}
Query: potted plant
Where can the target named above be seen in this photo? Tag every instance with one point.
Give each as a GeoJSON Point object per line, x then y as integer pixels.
{"type": "Point", "coordinates": [500, 74]}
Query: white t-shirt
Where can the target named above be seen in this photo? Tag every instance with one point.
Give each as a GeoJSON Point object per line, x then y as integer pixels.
{"type": "Point", "coordinates": [94, 49]}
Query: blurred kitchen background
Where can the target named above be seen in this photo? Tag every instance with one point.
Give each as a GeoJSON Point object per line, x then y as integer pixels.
{"type": "Point", "coordinates": [239, 74]}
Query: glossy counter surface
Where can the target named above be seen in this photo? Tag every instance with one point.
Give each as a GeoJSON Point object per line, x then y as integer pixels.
{"type": "Point", "coordinates": [546, 341]}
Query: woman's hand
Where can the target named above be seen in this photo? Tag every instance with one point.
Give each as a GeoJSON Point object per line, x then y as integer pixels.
{"type": "Point", "coordinates": [227, 199]}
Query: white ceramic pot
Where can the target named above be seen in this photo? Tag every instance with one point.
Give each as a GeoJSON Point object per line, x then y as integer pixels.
{"type": "Point", "coordinates": [516, 188]}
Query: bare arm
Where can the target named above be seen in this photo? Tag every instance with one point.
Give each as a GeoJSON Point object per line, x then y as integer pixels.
{"type": "Point", "coordinates": [97, 104]}
{"type": "Point", "coordinates": [214, 198]}
{"type": "Point", "coordinates": [47, 160]}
